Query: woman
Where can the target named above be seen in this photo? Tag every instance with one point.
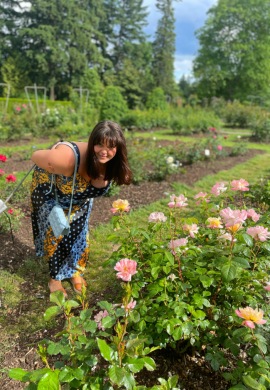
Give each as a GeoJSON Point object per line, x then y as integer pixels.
{"type": "Point", "coordinates": [101, 161]}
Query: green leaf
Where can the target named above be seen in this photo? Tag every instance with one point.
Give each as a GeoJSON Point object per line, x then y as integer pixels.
{"type": "Point", "coordinates": [169, 257]}
{"type": "Point", "coordinates": [107, 352]}
{"type": "Point", "coordinates": [36, 375]}
{"type": "Point", "coordinates": [155, 272]}
{"type": "Point", "coordinates": [134, 343]}
{"type": "Point", "coordinates": [239, 386]}
{"type": "Point", "coordinates": [31, 386]}
{"type": "Point", "coordinates": [56, 348]}
{"type": "Point", "coordinates": [229, 271]}
{"type": "Point", "coordinates": [199, 314]}
{"type": "Point", "coordinates": [108, 322]}
{"type": "Point", "coordinates": [149, 363]}
{"type": "Point", "coordinates": [52, 312]}
{"type": "Point", "coordinates": [248, 239]}
{"type": "Point", "coordinates": [266, 246]}
{"type": "Point", "coordinates": [177, 333]}
{"type": "Point", "coordinates": [66, 375]}
{"type": "Point", "coordinates": [68, 305]}
{"type": "Point", "coordinates": [262, 346]}
{"type": "Point", "coordinates": [134, 316]}
{"type": "Point", "coordinates": [90, 326]}
{"type": "Point", "coordinates": [252, 383]}
{"type": "Point", "coordinates": [19, 374]}
{"type": "Point", "coordinates": [86, 314]}
{"type": "Point", "coordinates": [49, 381]}
{"type": "Point", "coordinates": [58, 298]}
{"type": "Point", "coordinates": [241, 262]}
{"type": "Point", "coordinates": [135, 365]}
{"type": "Point", "coordinates": [172, 381]}
{"type": "Point", "coordinates": [116, 375]}
{"type": "Point", "coordinates": [206, 281]}
{"type": "Point", "coordinates": [105, 305]}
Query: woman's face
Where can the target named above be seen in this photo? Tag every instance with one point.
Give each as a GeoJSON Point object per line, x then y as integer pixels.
{"type": "Point", "coordinates": [104, 153]}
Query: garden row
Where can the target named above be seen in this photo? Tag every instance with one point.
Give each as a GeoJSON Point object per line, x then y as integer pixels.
{"type": "Point", "coordinates": [194, 273]}
{"type": "Point", "coordinates": [76, 118]}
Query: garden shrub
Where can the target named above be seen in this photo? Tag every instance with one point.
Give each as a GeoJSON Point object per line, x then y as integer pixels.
{"type": "Point", "coordinates": [188, 120]}
{"type": "Point", "coordinates": [236, 114]}
{"type": "Point", "coordinates": [146, 120]}
{"type": "Point", "coordinates": [91, 80]}
{"type": "Point", "coordinates": [195, 274]}
{"type": "Point", "coordinates": [203, 280]}
{"type": "Point", "coordinates": [260, 127]}
{"type": "Point", "coordinates": [19, 102]}
{"type": "Point", "coordinates": [153, 162]}
{"type": "Point", "coordinates": [113, 106]}
{"type": "Point", "coordinates": [156, 100]}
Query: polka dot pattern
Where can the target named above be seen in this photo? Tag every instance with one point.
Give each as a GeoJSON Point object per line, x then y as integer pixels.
{"type": "Point", "coordinates": [66, 255]}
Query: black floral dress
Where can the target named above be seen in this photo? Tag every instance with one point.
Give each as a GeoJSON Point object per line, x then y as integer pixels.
{"type": "Point", "coordinates": [66, 255]}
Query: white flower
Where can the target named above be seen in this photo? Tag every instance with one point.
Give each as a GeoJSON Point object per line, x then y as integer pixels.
{"type": "Point", "coordinates": [172, 277]}
{"type": "Point", "coordinates": [207, 152]}
{"type": "Point", "coordinates": [157, 217]}
{"type": "Point", "coordinates": [170, 160]}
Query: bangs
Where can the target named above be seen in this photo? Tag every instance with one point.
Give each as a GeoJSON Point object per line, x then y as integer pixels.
{"type": "Point", "coordinates": [107, 138]}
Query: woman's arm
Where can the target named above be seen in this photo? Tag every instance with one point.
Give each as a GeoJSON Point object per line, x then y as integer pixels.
{"type": "Point", "coordinates": [59, 160]}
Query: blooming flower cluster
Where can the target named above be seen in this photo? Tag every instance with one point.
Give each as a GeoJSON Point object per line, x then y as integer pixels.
{"type": "Point", "coordinates": [9, 178]}
{"type": "Point", "coordinates": [98, 318]}
{"type": "Point", "coordinates": [120, 205]}
{"type": "Point", "coordinates": [19, 109]}
{"type": "Point", "coordinates": [177, 201]}
{"type": "Point", "coordinates": [126, 269]}
{"type": "Point", "coordinates": [157, 217]}
{"type": "Point", "coordinates": [251, 316]}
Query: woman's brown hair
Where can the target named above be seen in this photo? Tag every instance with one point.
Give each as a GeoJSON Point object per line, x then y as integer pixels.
{"type": "Point", "coordinates": [117, 169]}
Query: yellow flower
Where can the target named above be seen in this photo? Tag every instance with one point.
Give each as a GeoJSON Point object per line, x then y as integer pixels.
{"type": "Point", "coordinates": [235, 228]}
{"type": "Point", "coordinates": [251, 316]}
{"type": "Point", "coordinates": [214, 223]}
{"type": "Point", "coordinates": [120, 205]}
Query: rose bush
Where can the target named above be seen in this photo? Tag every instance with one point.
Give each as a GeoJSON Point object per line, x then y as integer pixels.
{"type": "Point", "coordinates": [202, 264]}
{"type": "Point", "coordinates": [10, 218]}
{"type": "Point", "coordinates": [195, 276]}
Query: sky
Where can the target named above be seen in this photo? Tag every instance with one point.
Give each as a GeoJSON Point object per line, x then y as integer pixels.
{"type": "Point", "coordinates": [190, 15]}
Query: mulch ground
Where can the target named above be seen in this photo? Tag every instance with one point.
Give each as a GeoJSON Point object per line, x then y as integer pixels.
{"type": "Point", "coordinates": [193, 370]}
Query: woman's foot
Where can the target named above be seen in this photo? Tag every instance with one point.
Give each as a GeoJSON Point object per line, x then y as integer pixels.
{"type": "Point", "coordinates": [77, 283]}
{"type": "Point", "coordinates": [56, 285]}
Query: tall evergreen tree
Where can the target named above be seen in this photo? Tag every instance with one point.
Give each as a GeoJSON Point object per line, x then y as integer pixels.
{"type": "Point", "coordinates": [164, 47]}
{"type": "Point", "coordinates": [60, 39]}
{"type": "Point", "coordinates": [123, 26]}
{"type": "Point", "coordinates": [135, 76]}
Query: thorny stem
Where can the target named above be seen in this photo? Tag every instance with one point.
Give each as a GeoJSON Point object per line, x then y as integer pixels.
{"type": "Point", "coordinates": [180, 274]}
{"type": "Point", "coordinates": [254, 254]}
{"type": "Point", "coordinates": [121, 344]}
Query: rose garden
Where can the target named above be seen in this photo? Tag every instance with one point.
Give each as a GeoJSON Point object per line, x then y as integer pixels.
{"type": "Point", "coordinates": [178, 276]}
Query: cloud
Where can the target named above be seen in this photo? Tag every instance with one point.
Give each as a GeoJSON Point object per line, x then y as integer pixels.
{"type": "Point", "coordinates": [190, 15]}
{"type": "Point", "coordinates": [193, 11]}
{"type": "Point", "coordinates": [183, 66]}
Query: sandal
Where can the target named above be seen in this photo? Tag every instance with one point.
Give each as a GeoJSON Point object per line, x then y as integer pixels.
{"type": "Point", "coordinates": [57, 287]}
{"type": "Point", "coordinates": [77, 282]}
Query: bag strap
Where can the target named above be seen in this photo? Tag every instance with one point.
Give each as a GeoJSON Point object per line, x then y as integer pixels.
{"type": "Point", "coordinates": [74, 175]}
